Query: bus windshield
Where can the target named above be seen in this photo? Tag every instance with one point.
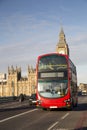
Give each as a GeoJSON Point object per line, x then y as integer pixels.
{"type": "Point", "coordinates": [52, 63]}
{"type": "Point", "coordinates": [52, 89]}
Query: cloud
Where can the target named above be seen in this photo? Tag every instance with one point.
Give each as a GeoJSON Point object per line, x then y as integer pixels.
{"type": "Point", "coordinates": [78, 48]}
{"type": "Point", "coordinates": [24, 37]}
{"type": "Point", "coordinates": [23, 53]}
{"type": "Point", "coordinates": [78, 54]}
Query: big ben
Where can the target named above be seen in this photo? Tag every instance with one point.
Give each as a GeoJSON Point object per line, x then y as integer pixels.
{"type": "Point", "coordinates": [62, 46]}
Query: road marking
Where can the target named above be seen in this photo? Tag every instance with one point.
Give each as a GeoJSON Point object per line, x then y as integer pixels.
{"type": "Point", "coordinates": [53, 125]}
{"type": "Point", "coordinates": [65, 116]}
{"type": "Point", "coordinates": [12, 117]}
{"type": "Point", "coordinates": [58, 121]}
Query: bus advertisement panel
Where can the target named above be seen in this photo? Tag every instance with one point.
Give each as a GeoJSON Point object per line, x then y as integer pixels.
{"type": "Point", "coordinates": [56, 87]}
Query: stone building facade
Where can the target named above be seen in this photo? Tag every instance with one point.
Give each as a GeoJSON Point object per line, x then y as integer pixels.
{"type": "Point", "coordinates": [82, 87]}
{"type": "Point", "coordinates": [16, 84]}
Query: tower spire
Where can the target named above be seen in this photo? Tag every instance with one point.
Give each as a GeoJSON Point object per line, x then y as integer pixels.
{"type": "Point", "coordinates": [62, 38]}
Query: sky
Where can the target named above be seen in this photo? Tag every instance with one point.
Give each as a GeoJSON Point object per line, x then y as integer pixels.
{"type": "Point", "coordinates": [29, 28]}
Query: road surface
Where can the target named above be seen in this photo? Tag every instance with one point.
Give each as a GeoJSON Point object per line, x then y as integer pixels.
{"type": "Point", "coordinates": [20, 116]}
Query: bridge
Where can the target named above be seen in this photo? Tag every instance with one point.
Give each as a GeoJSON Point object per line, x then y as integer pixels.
{"type": "Point", "coordinates": [21, 116]}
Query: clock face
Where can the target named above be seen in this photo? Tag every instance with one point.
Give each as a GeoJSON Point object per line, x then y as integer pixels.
{"type": "Point", "coordinates": [62, 52]}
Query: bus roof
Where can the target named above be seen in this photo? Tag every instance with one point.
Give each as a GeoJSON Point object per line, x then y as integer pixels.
{"type": "Point", "coordinates": [54, 53]}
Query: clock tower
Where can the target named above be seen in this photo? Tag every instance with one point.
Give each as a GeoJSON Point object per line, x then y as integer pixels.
{"type": "Point", "coordinates": [62, 46]}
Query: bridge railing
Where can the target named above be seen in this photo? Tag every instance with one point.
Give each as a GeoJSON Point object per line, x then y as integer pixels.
{"type": "Point", "coordinates": [7, 99]}
{"type": "Point", "coordinates": [19, 98]}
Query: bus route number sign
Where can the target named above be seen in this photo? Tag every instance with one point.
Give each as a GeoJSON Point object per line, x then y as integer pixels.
{"type": "Point", "coordinates": [53, 74]}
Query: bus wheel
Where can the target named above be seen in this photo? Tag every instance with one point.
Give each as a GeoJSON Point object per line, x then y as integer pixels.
{"type": "Point", "coordinates": [44, 109]}
{"type": "Point", "coordinates": [70, 108]}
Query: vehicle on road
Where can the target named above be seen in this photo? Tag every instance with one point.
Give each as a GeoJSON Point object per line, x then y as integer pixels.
{"type": "Point", "coordinates": [32, 99]}
{"type": "Point", "coordinates": [56, 81]}
{"type": "Point", "coordinates": [84, 92]}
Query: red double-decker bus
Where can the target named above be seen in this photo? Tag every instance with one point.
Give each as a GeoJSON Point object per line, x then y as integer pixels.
{"type": "Point", "coordinates": [56, 81]}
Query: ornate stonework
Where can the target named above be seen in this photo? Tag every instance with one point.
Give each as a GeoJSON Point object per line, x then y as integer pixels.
{"type": "Point", "coordinates": [62, 46]}
{"type": "Point", "coordinates": [16, 84]}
